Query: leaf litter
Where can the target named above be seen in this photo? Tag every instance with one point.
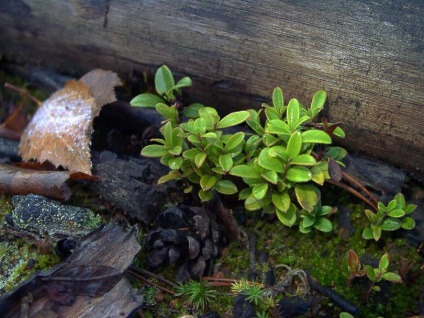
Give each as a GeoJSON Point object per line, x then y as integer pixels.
{"type": "Point", "coordinates": [60, 131]}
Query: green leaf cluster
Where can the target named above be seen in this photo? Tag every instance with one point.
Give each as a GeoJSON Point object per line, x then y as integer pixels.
{"type": "Point", "coordinates": [166, 88]}
{"type": "Point", "coordinates": [375, 275]}
{"type": "Point", "coordinates": [275, 157]}
{"type": "Point", "coordinates": [389, 218]}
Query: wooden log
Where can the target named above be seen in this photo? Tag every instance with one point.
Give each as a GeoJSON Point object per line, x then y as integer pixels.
{"type": "Point", "coordinates": [368, 55]}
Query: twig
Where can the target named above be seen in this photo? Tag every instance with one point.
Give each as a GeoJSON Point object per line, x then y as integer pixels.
{"type": "Point", "coordinates": [23, 92]}
{"type": "Point", "coordinates": [352, 180]}
{"type": "Point", "coordinates": [354, 192]}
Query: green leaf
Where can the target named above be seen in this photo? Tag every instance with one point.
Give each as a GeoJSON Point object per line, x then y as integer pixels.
{"type": "Point", "coordinates": [207, 182]}
{"type": "Point", "coordinates": [307, 195]}
{"type": "Point", "coordinates": [293, 113]}
{"type": "Point", "coordinates": [304, 229]}
{"type": "Point", "coordinates": [400, 201]}
{"type": "Point", "coordinates": [278, 151]}
{"type": "Point", "coordinates": [200, 126]}
{"type": "Point", "coordinates": [396, 213]}
{"type": "Point", "coordinates": [367, 233]}
{"type": "Point", "coordinates": [391, 205]}
{"type": "Point", "coordinates": [324, 210]}
{"type": "Point", "coordinates": [345, 315]}
{"type": "Point", "coordinates": [316, 136]}
{"type": "Point", "coordinates": [370, 273]}
{"type": "Point", "coordinates": [270, 163]}
{"type": "Point", "coordinates": [270, 176]}
{"type": "Point", "coordinates": [410, 208]}
{"type": "Point", "coordinates": [184, 82]}
{"type": "Point", "coordinates": [192, 110]}
{"type": "Point", "coordinates": [392, 277]}
{"type": "Point", "coordinates": [233, 119]}
{"type": "Point", "coordinates": [154, 151]}
{"type": "Point", "coordinates": [225, 187]}
{"type": "Point", "coordinates": [308, 220]}
{"type": "Point", "coordinates": [164, 80]}
{"type": "Point", "coordinates": [226, 162]}
{"type": "Point", "coordinates": [167, 134]}
{"type": "Point", "coordinates": [339, 132]}
{"type": "Point", "coordinates": [270, 140]}
{"type": "Point", "coordinates": [287, 218]}
{"type": "Point", "coordinates": [146, 100]}
{"type": "Point", "coordinates": [294, 145]}
{"type": "Point", "coordinates": [277, 126]}
{"type": "Point", "coordinates": [172, 175]}
{"type": "Point", "coordinates": [372, 217]}
{"type": "Point", "coordinates": [175, 163]}
{"type": "Point", "coordinates": [205, 195]}
{"type": "Point", "coordinates": [383, 264]}
{"type": "Point", "coordinates": [271, 113]}
{"type": "Point", "coordinates": [299, 174]}
{"type": "Point", "coordinates": [281, 201]}
{"type": "Point", "coordinates": [317, 102]}
{"type": "Point", "coordinates": [253, 204]}
{"type": "Point", "coordinates": [199, 159]}
{"type": "Point", "coordinates": [408, 223]}
{"type": "Point", "coordinates": [317, 175]}
{"type": "Point", "coordinates": [324, 225]}
{"type": "Point", "coordinates": [235, 141]}
{"type": "Point", "coordinates": [376, 232]}
{"type": "Point", "coordinates": [259, 191]}
{"type": "Point", "coordinates": [391, 224]}
{"type": "Point", "coordinates": [304, 160]}
{"type": "Point", "coordinates": [244, 171]}
{"type": "Point", "coordinates": [278, 99]}
{"type": "Point", "coordinates": [167, 111]}
{"type": "Point", "coordinates": [191, 154]}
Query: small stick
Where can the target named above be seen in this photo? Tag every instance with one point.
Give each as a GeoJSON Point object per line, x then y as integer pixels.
{"type": "Point", "coordinates": [23, 92]}
{"type": "Point", "coordinates": [354, 192]}
{"type": "Point", "coordinates": [352, 180]}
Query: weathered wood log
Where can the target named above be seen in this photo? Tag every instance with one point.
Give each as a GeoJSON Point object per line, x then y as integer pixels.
{"type": "Point", "coordinates": [367, 54]}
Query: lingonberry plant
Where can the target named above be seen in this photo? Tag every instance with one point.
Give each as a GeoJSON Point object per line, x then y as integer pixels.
{"type": "Point", "coordinates": [280, 159]}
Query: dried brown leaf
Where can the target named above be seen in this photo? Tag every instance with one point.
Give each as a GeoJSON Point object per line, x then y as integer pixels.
{"type": "Point", "coordinates": [60, 131]}
{"type": "Point", "coordinates": [23, 181]}
{"type": "Point", "coordinates": [101, 83]}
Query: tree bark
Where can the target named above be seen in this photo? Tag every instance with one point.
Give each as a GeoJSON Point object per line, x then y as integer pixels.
{"type": "Point", "coordinates": [368, 55]}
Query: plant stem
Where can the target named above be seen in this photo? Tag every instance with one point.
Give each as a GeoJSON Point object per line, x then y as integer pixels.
{"type": "Point", "coordinates": [354, 192]}
{"type": "Point", "coordinates": [352, 180]}
{"type": "Point", "coordinates": [23, 92]}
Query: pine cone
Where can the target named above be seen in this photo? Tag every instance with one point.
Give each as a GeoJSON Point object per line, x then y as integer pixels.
{"type": "Point", "coordinates": [187, 236]}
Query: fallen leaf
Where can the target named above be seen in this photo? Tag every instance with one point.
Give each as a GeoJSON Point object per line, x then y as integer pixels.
{"type": "Point", "coordinates": [51, 184]}
{"type": "Point", "coordinates": [101, 83]}
{"type": "Point", "coordinates": [60, 131]}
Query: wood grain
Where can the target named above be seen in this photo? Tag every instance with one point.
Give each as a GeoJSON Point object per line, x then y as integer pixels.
{"type": "Point", "coordinates": [368, 55]}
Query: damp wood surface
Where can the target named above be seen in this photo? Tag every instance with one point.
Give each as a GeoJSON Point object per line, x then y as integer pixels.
{"type": "Point", "coordinates": [368, 55]}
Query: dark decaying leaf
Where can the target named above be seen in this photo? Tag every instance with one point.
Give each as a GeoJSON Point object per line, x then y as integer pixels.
{"type": "Point", "coordinates": [89, 284]}
{"type": "Point", "coordinates": [334, 170]}
{"type": "Point", "coordinates": [23, 181]}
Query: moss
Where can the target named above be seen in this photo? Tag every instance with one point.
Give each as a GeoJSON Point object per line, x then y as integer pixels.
{"type": "Point", "coordinates": [18, 259]}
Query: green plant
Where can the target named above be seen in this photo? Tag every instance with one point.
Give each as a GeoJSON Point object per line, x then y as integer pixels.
{"type": "Point", "coordinates": [256, 294]}
{"type": "Point", "coordinates": [375, 275]}
{"type": "Point", "coordinates": [198, 294]}
{"type": "Point", "coordinates": [281, 159]}
{"type": "Point", "coordinates": [389, 218]}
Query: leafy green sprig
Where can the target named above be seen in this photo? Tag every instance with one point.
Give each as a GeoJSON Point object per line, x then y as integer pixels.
{"type": "Point", "coordinates": [281, 159]}
{"type": "Point", "coordinates": [389, 218]}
